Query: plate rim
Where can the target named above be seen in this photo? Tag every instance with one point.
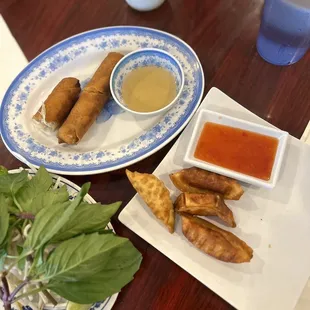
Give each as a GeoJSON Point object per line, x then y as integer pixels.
{"type": "Point", "coordinates": [126, 163]}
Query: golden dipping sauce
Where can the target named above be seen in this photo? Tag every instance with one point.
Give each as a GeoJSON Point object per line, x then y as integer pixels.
{"type": "Point", "coordinates": [148, 89]}
{"type": "Point", "coordinates": [237, 149]}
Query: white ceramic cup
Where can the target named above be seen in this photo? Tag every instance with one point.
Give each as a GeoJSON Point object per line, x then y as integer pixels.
{"type": "Point", "coordinates": [145, 5]}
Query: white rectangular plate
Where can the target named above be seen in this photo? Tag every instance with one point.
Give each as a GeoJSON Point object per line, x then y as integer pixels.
{"type": "Point", "coordinates": [275, 223]}
{"type": "Point", "coordinates": [204, 116]}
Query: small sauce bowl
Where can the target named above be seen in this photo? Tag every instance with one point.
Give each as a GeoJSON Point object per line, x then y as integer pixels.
{"type": "Point", "coordinates": [145, 58]}
{"type": "Point", "coordinates": [206, 116]}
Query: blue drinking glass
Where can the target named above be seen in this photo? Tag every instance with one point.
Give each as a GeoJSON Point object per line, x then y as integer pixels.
{"type": "Point", "coordinates": [284, 34]}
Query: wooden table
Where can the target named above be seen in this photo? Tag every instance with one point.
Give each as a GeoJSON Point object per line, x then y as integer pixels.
{"type": "Point", "coordinates": [223, 33]}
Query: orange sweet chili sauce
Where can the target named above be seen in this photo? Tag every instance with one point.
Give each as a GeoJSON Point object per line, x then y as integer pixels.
{"type": "Point", "coordinates": [237, 149]}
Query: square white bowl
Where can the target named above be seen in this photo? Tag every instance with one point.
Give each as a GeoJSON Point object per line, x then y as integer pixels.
{"type": "Point", "coordinates": [205, 116]}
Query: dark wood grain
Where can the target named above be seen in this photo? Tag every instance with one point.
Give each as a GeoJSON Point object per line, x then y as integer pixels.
{"type": "Point", "coordinates": [223, 33]}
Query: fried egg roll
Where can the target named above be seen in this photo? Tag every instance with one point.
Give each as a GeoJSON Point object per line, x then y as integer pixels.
{"type": "Point", "coordinates": [91, 102]}
{"type": "Point", "coordinates": [58, 104]}
{"type": "Point", "coordinates": [209, 204]}
{"type": "Point", "coordinates": [214, 241]}
{"type": "Point", "coordinates": [196, 180]}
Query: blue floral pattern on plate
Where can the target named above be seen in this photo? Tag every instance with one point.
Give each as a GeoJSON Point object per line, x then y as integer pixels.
{"type": "Point", "coordinates": [18, 139]}
{"type": "Point", "coordinates": [110, 108]}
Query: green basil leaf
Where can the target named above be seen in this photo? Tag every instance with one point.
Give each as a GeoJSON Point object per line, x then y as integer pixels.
{"type": "Point", "coordinates": [19, 249]}
{"type": "Point", "coordinates": [4, 219]}
{"type": "Point", "coordinates": [3, 255]}
{"type": "Point", "coordinates": [10, 247]}
{"type": "Point", "coordinates": [21, 263]}
{"type": "Point", "coordinates": [95, 218]}
{"type": "Point", "coordinates": [91, 267]}
{"type": "Point", "coordinates": [11, 183]}
{"type": "Point", "coordinates": [48, 199]}
{"type": "Point", "coordinates": [97, 287]}
{"type": "Point", "coordinates": [50, 220]}
{"type": "Point", "coordinates": [37, 261]}
{"type": "Point", "coordinates": [11, 205]}
{"type": "Point", "coordinates": [3, 170]}
{"type": "Point", "coordinates": [40, 183]}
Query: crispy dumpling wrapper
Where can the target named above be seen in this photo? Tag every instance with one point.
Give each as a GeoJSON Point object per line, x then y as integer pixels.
{"type": "Point", "coordinates": [196, 180]}
{"type": "Point", "coordinates": [183, 186]}
{"type": "Point", "coordinates": [207, 204]}
{"type": "Point", "coordinates": [215, 241]}
{"type": "Point", "coordinates": [155, 195]}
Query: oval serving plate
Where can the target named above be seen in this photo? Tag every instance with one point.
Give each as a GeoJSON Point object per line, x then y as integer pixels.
{"type": "Point", "coordinates": [73, 189]}
{"type": "Point", "coordinates": [118, 138]}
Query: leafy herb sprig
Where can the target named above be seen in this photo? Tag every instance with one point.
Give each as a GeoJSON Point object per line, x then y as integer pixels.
{"type": "Point", "coordinates": [59, 245]}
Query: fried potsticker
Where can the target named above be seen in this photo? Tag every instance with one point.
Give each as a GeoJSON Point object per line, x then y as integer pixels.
{"type": "Point", "coordinates": [207, 204]}
{"type": "Point", "coordinates": [155, 195]}
{"type": "Point", "coordinates": [195, 180]}
{"type": "Point", "coordinates": [215, 241]}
